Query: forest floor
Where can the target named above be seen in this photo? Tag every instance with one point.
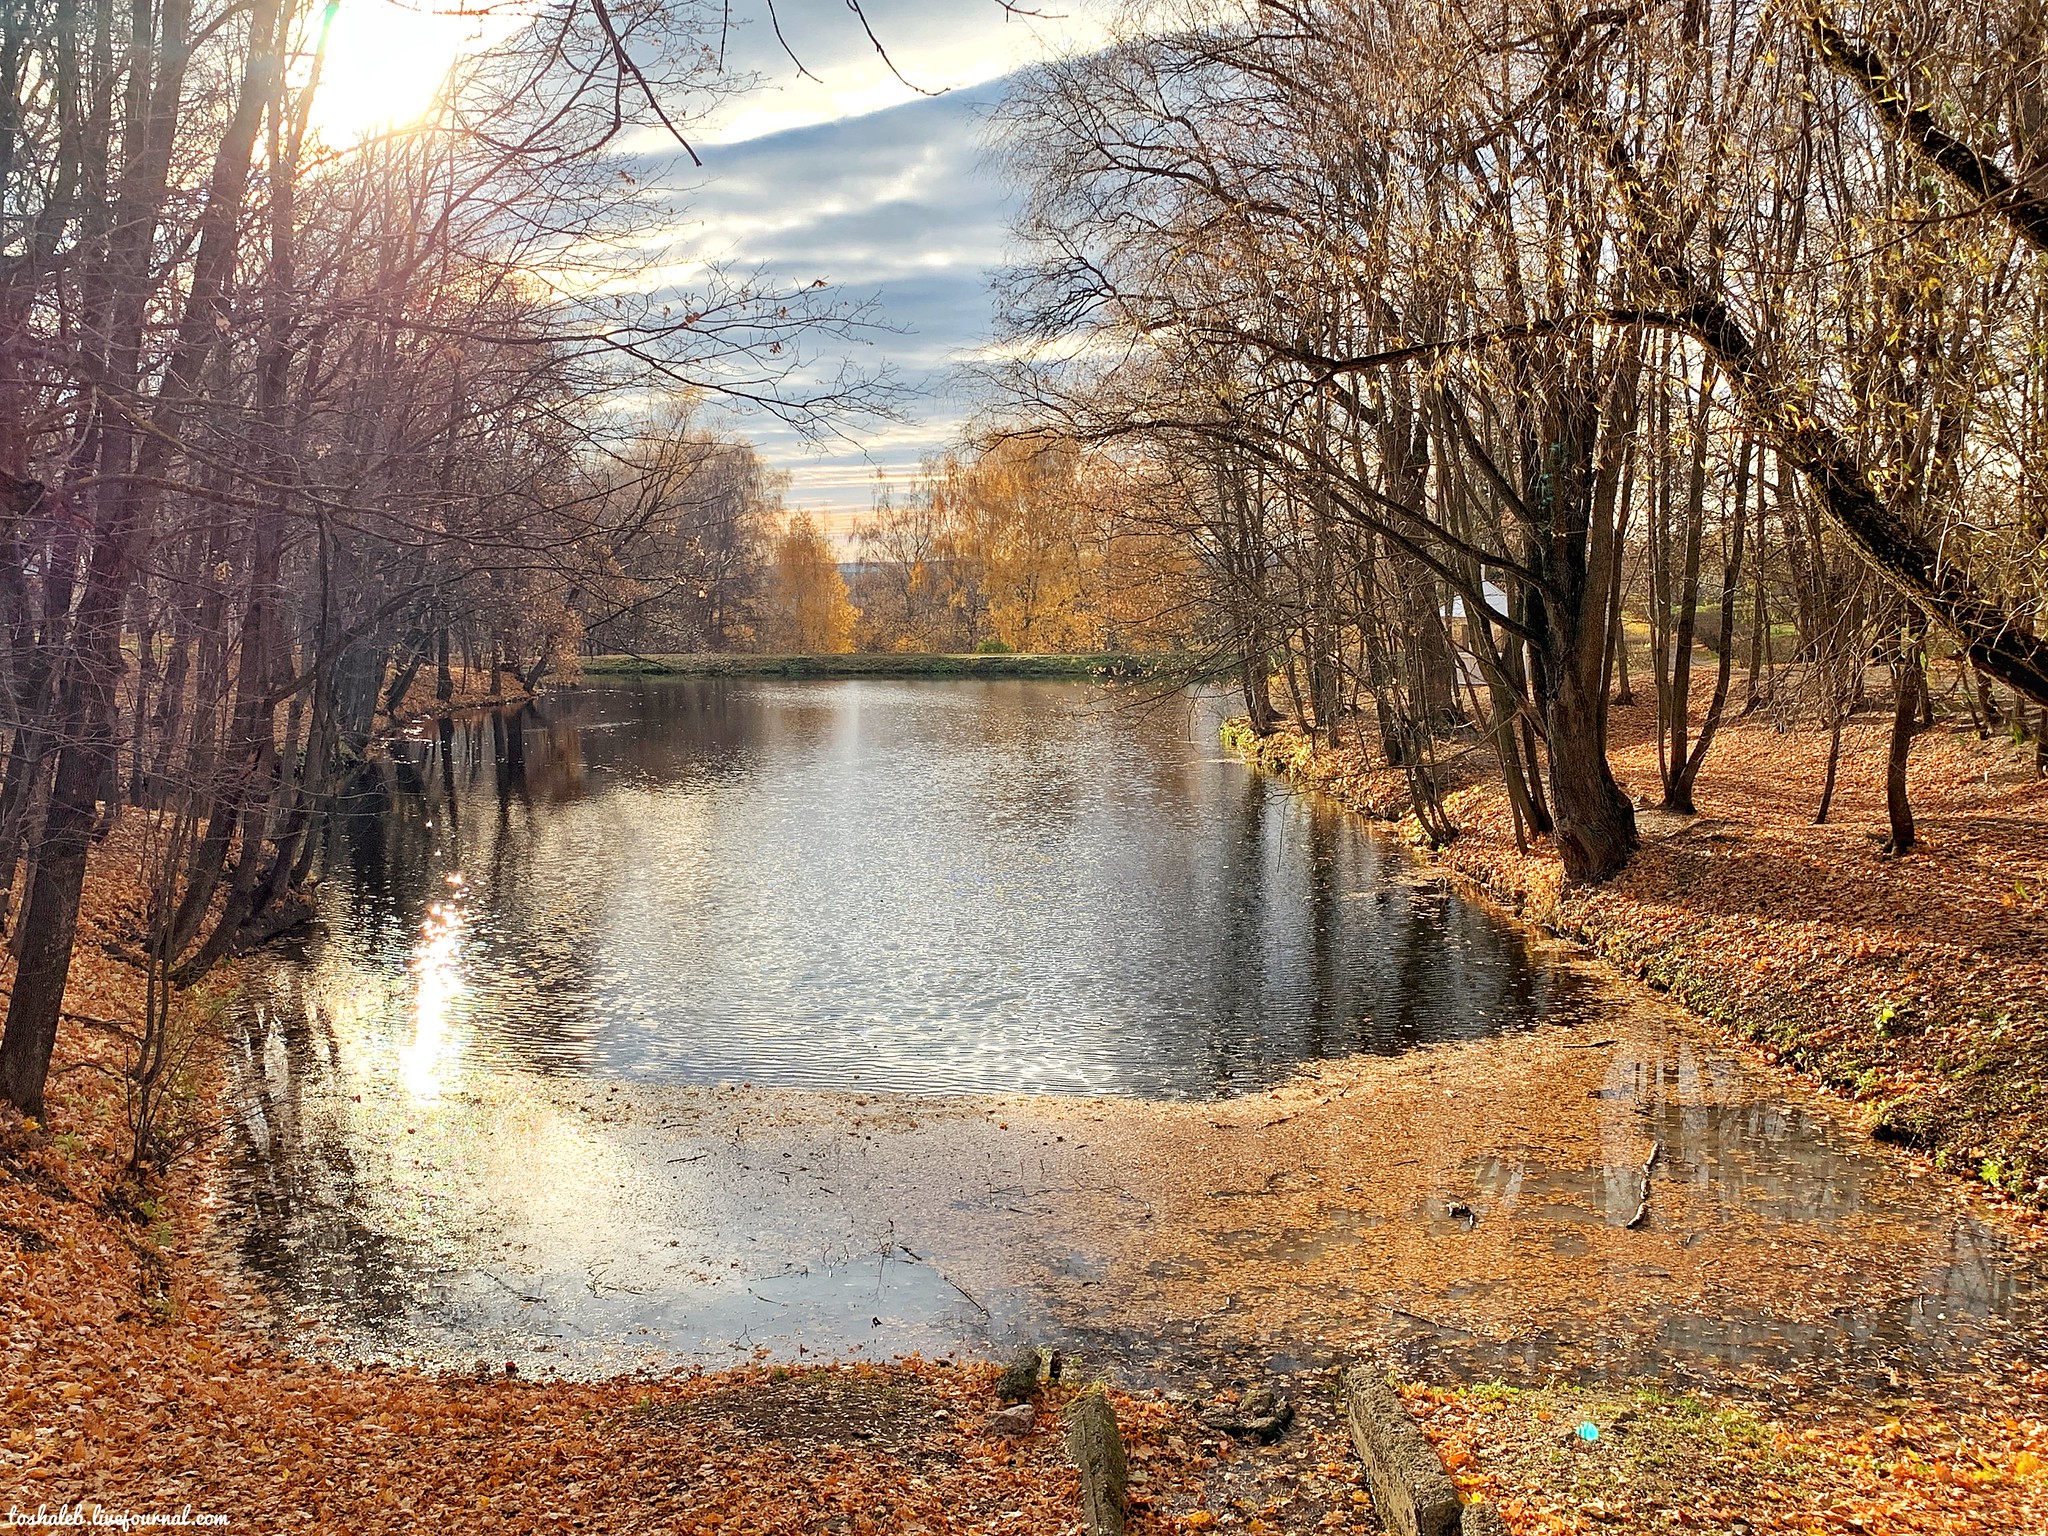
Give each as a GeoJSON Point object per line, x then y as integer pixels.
{"type": "Point", "coordinates": [1916, 985]}
{"type": "Point", "coordinates": [135, 1382]}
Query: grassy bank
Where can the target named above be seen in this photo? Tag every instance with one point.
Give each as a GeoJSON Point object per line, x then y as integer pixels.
{"type": "Point", "coordinates": [1916, 986]}
{"type": "Point", "coordinates": [871, 664]}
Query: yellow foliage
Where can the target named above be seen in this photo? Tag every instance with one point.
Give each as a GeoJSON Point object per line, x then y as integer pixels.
{"type": "Point", "coordinates": [808, 609]}
{"type": "Point", "coordinates": [1007, 545]}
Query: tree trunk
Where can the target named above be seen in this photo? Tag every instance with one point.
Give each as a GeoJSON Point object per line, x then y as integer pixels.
{"type": "Point", "coordinates": [401, 680]}
{"type": "Point", "coordinates": [1675, 690]}
{"type": "Point", "coordinates": [1760, 610]}
{"type": "Point", "coordinates": [1679, 796]}
{"type": "Point", "coordinates": [1595, 824]}
{"type": "Point", "coordinates": [50, 916]}
{"type": "Point", "coordinates": [1256, 676]}
{"type": "Point", "coordinates": [89, 698]}
{"type": "Point", "coordinates": [1827, 787]}
{"type": "Point", "coordinates": [1987, 702]}
{"type": "Point", "coordinates": [1908, 682]}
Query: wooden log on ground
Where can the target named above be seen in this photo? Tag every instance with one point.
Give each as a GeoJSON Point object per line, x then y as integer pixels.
{"type": "Point", "coordinates": [1411, 1491]}
{"type": "Point", "coordinates": [1019, 1381]}
{"type": "Point", "coordinates": [1098, 1452]}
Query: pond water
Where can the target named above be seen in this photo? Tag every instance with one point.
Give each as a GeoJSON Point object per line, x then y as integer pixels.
{"type": "Point", "coordinates": [658, 1023]}
{"type": "Point", "coordinates": [933, 887]}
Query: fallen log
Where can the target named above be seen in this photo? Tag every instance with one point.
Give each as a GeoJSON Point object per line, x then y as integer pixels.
{"type": "Point", "coordinates": [1098, 1453]}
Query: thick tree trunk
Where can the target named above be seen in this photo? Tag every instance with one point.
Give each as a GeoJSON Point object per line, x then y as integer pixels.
{"type": "Point", "coordinates": [50, 915]}
{"type": "Point", "coordinates": [1570, 497]}
{"type": "Point", "coordinates": [1256, 678]}
{"type": "Point", "coordinates": [1595, 824]}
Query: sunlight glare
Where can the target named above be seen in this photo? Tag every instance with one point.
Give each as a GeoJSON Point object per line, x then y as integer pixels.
{"type": "Point", "coordinates": [437, 961]}
{"type": "Point", "coordinates": [387, 59]}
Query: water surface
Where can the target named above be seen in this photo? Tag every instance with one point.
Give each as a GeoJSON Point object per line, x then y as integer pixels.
{"type": "Point", "coordinates": [927, 886]}
{"type": "Point", "coordinates": [658, 1024]}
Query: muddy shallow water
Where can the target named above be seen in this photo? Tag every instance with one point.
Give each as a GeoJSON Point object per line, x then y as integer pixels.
{"type": "Point", "coordinates": [675, 1023]}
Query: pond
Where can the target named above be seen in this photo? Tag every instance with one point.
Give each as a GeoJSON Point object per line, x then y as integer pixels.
{"type": "Point", "coordinates": [659, 1023]}
{"type": "Point", "coordinates": [933, 887]}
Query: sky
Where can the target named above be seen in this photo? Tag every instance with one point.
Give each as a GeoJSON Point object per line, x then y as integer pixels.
{"type": "Point", "coordinates": [891, 206]}
{"type": "Point", "coordinates": [866, 172]}
{"type": "Point", "coordinates": [856, 178]}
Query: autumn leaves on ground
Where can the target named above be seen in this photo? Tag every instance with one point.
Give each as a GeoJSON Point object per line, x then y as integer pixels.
{"type": "Point", "coordinates": [133, 1385]}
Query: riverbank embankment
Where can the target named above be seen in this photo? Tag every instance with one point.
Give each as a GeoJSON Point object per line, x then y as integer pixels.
{"type": "Point", "coordinates": [1915, 985]}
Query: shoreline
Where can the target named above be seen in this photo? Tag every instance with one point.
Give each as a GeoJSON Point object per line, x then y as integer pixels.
{"type": "Point", "coordinates": [1811, 959]}
{"type": "Point", "coordinates": [142, 1379]}
{"type": "Point", "coordinates": [894, 664]}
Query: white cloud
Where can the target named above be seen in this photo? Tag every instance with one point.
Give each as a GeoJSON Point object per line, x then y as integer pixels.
{"type": "Point", "coordinates": [935, 45]}
{"type": "Point", "coordinates": [859, 180]}
{"type": "Point", "coordinates": [896, 206]}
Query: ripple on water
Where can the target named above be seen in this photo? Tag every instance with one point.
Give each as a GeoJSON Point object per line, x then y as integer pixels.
{"type": "Point", "coordinates": [955, 887]}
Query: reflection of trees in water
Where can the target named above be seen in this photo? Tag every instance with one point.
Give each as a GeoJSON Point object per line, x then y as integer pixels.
{"type": "Point", "coordinates": [1950, 1289]}
{"type": "Point", "coordinates": [1324, 940]}
{"type": "Point", "coordinates": [509, 777]}
{"type": "Point", "coordinates": [486, 795]}
{"type": "Point", "coordinates": [1248, 928]}
{"type": "Point", "coordinates": [702, 729]}
{"type": "Point", "coordinates": [298, 1199]}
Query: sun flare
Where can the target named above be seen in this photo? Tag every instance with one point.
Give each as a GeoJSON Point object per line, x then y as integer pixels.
{"type": "Point", "coordinates": [426, 1064]}
{"type": "Point", "coordinates": [386, 60]}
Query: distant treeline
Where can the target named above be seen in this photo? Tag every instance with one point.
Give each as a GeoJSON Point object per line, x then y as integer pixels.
{"type": "Point", "coordinates": [1017, 546]}
{"type": "Point", "coordinates": [875, 664]}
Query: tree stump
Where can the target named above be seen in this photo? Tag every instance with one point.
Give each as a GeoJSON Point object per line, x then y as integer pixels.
{"type": "Point", "coordinates": [1098, 1452]}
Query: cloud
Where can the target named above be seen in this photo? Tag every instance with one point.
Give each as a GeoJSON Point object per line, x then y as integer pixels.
{"type": "Point", "coordinates": [934, 45]}
{"type": "Point", "coordinates": [897, 206]}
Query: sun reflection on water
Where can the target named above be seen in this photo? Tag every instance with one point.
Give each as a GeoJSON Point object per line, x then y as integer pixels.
{"type": "Point", "coordinates": [430, 1062]}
